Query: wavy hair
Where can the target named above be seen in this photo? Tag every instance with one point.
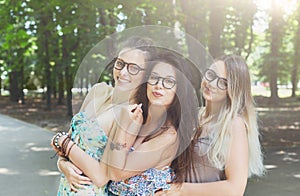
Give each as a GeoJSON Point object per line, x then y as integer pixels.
{"type": "Point", "coordinates": [239, 102]}
{"type": "Point", "coordinates": [182, 112]}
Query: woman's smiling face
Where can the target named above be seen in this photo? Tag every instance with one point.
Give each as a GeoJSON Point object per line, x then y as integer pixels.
{"type": "Point", "coordinates": [124, 80]}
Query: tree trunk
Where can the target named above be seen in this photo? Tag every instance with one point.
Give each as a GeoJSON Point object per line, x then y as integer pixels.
{"type": "Point", "coordinates": [14, 86]}
{"type": "Point", "coordinates": [54, 84]}
{"type": "Point", "coordinates": [47, 73]}
{"type": "Point", "coordinates": [0, 85]}
{"type": "Point", "coordinates": [249, 49]}
{"type": "Point", "coordinates": [21, 92]}
{"type": "Point", "coordinates": [195, 25]}
{"type": "Point", "coordinates": [68, 77]}
{"type": "Point", "coordinates": [276, 34]}
{"type": "Point", "coordinates": [216, 24]}
{"type": "Point", "coordinates": [102, 21]}
{"type": "Point", "coordinates": [243, 22]}
{"type": "Point", "coordinates": [46, 60]}
{"type": "Point", "coordinates": [60, 87]}
{"type": "Point", "coordinates": [69, 91]}
{"type": "Point", "coordinates": [81, 86]}
{"type": "Point", "coordinates": [296, 57]}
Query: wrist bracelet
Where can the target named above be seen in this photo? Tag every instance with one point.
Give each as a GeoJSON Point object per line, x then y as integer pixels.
{"type": "Point", "coordinates": [67, 154]}
{"type": "Point", "coordinates": [64, 145]}
{"type": "Point", "coordinates": [56, 138]}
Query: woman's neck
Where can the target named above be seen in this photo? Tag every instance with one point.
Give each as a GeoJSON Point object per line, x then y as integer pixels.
{"type": "Point", "coordinates": [156, 114]}
{"type": "Point", "coordinates": [120, 96]}
{"type": "Point", "coordinates": [212, 109]}
{"type": "Point", "coordinates": [157, 118]}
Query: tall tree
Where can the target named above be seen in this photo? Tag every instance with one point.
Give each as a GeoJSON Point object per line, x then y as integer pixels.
{"type": "Point", "coordinates": [14, 45]}
{"type": "Point", "coordinates": [276, 32]}
{"type": "Point", "coordinates": [296, 63]}
{"type": "Point", "coordinates": [238, 34]}
{"type": "Point", "coordinates": [216, 24]}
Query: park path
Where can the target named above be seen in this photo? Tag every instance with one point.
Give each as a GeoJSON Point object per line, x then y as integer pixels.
{"type": "Point", "coordinates": [26, 167]}
{"type": "Point", "coordinates": [283, 174]}
{"type": "Point", "coordinates": [25, 164]}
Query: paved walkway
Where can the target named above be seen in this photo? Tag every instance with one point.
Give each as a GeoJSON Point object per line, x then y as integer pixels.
{"type": "Point", "coordinates": [283, 174]}
{"type": "Point", "coordinates": [25, 164]}
{"type": "Point", "coordinates": [26, 167]}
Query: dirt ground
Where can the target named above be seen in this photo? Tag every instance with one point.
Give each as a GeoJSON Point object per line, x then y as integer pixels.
{"type": "Point", "coordinates": [279, 124]}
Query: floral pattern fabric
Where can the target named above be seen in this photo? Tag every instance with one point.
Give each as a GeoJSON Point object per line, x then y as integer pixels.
{"type": "Point", "coordinates": [145, 184]}
{"type": "Point", "coordinates": [89, 136]}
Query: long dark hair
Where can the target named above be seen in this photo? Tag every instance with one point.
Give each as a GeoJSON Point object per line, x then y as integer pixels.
{"type": "Point", "coordinates": [182, 112]}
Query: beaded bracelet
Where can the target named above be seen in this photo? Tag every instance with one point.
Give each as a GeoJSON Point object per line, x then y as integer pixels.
{"type": "Point", "coordinates": [56, 138]}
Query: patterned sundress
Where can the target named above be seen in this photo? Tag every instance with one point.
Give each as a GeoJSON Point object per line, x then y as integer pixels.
{"type": "Point", "coordinates": [89, 136]}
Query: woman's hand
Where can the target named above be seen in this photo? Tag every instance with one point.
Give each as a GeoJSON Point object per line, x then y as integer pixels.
{"type": "Point", "coordinates": [131, 118]}
{"type": "Point", "coordinates": [136, 116]}
{"type": "Point", "coordinates": [73, 175]}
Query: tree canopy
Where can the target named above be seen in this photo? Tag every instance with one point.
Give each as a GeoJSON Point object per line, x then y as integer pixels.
{"type": "Point", "coordinates": [43, 43]}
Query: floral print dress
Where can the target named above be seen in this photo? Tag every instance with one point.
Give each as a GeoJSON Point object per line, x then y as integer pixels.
{"type": "Point", "coordinates": [89, 136]}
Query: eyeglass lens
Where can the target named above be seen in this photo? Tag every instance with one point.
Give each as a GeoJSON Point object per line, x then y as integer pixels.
{"type": "Point", "coordinates": [167, 83]}
{"type": "Point", "coordinates": [210, 76]}
{"type": "Point", "coordinates": [132, 68]}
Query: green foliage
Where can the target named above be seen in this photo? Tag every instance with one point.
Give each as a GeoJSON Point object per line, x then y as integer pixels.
{"type": "Point", "coordinates": [56, 35]}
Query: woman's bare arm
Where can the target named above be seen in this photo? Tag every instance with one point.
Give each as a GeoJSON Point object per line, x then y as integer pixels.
{"type": "Point", "coordinates": [236, 170]}
{"type": "Point", "coordinates": [155, 153]}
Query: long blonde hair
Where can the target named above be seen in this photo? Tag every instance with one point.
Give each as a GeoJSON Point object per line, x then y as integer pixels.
{"type": "Point", "coordinates": [239, 103]}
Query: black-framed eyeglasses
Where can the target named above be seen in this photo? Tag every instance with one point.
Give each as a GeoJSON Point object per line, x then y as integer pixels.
{"type": "Point", "coordinates": [167, 83]}
{"type": "Point", "coordinates": [132, 68]}
{"type": "Point", "coordinates": [210, 75]}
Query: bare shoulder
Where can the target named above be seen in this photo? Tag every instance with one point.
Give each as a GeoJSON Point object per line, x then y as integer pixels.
{"type": "Point", "coordinates": [101, 87]}
{"type": "Point", "coordinates": [169, 135]}
{"type": "Point", "coordinates": [238, 124]}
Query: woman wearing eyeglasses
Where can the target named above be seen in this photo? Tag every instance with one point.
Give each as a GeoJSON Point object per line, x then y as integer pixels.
{"type": "Point", "coordinates": [226, 149]}
{"type": "Point", "coordinates": [137, 51]}
{"type": "Point", "coordinates": [172, 110]}
{"type": "Point", "coordinates": [138, 155]}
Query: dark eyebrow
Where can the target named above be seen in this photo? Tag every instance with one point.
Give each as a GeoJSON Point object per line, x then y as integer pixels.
{"type": "Point", "coordinates": [126, 61]}
{"type": "Point", "coordinates": [168, 76]}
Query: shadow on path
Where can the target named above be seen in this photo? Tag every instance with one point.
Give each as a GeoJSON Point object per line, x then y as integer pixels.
{"type": "Point", "coordinates": [25, 164]}
{"type": "Point", "coordinates": [26, 167]}
{"type": "Point", "coordinates": [283, 174]}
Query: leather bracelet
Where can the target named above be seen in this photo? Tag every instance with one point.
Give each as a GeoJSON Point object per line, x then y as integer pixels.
{"type": "Point", "coordinates": [64, 145]}
{"type": "Point", "coordinates": [67, 154]}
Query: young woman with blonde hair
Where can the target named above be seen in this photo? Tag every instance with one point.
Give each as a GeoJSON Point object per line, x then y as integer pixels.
{"type": "Point", "coordinates": [226, 149]}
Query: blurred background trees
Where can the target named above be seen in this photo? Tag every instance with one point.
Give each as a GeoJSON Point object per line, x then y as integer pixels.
{"type": "Point", "coordinates": [43, 43]}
